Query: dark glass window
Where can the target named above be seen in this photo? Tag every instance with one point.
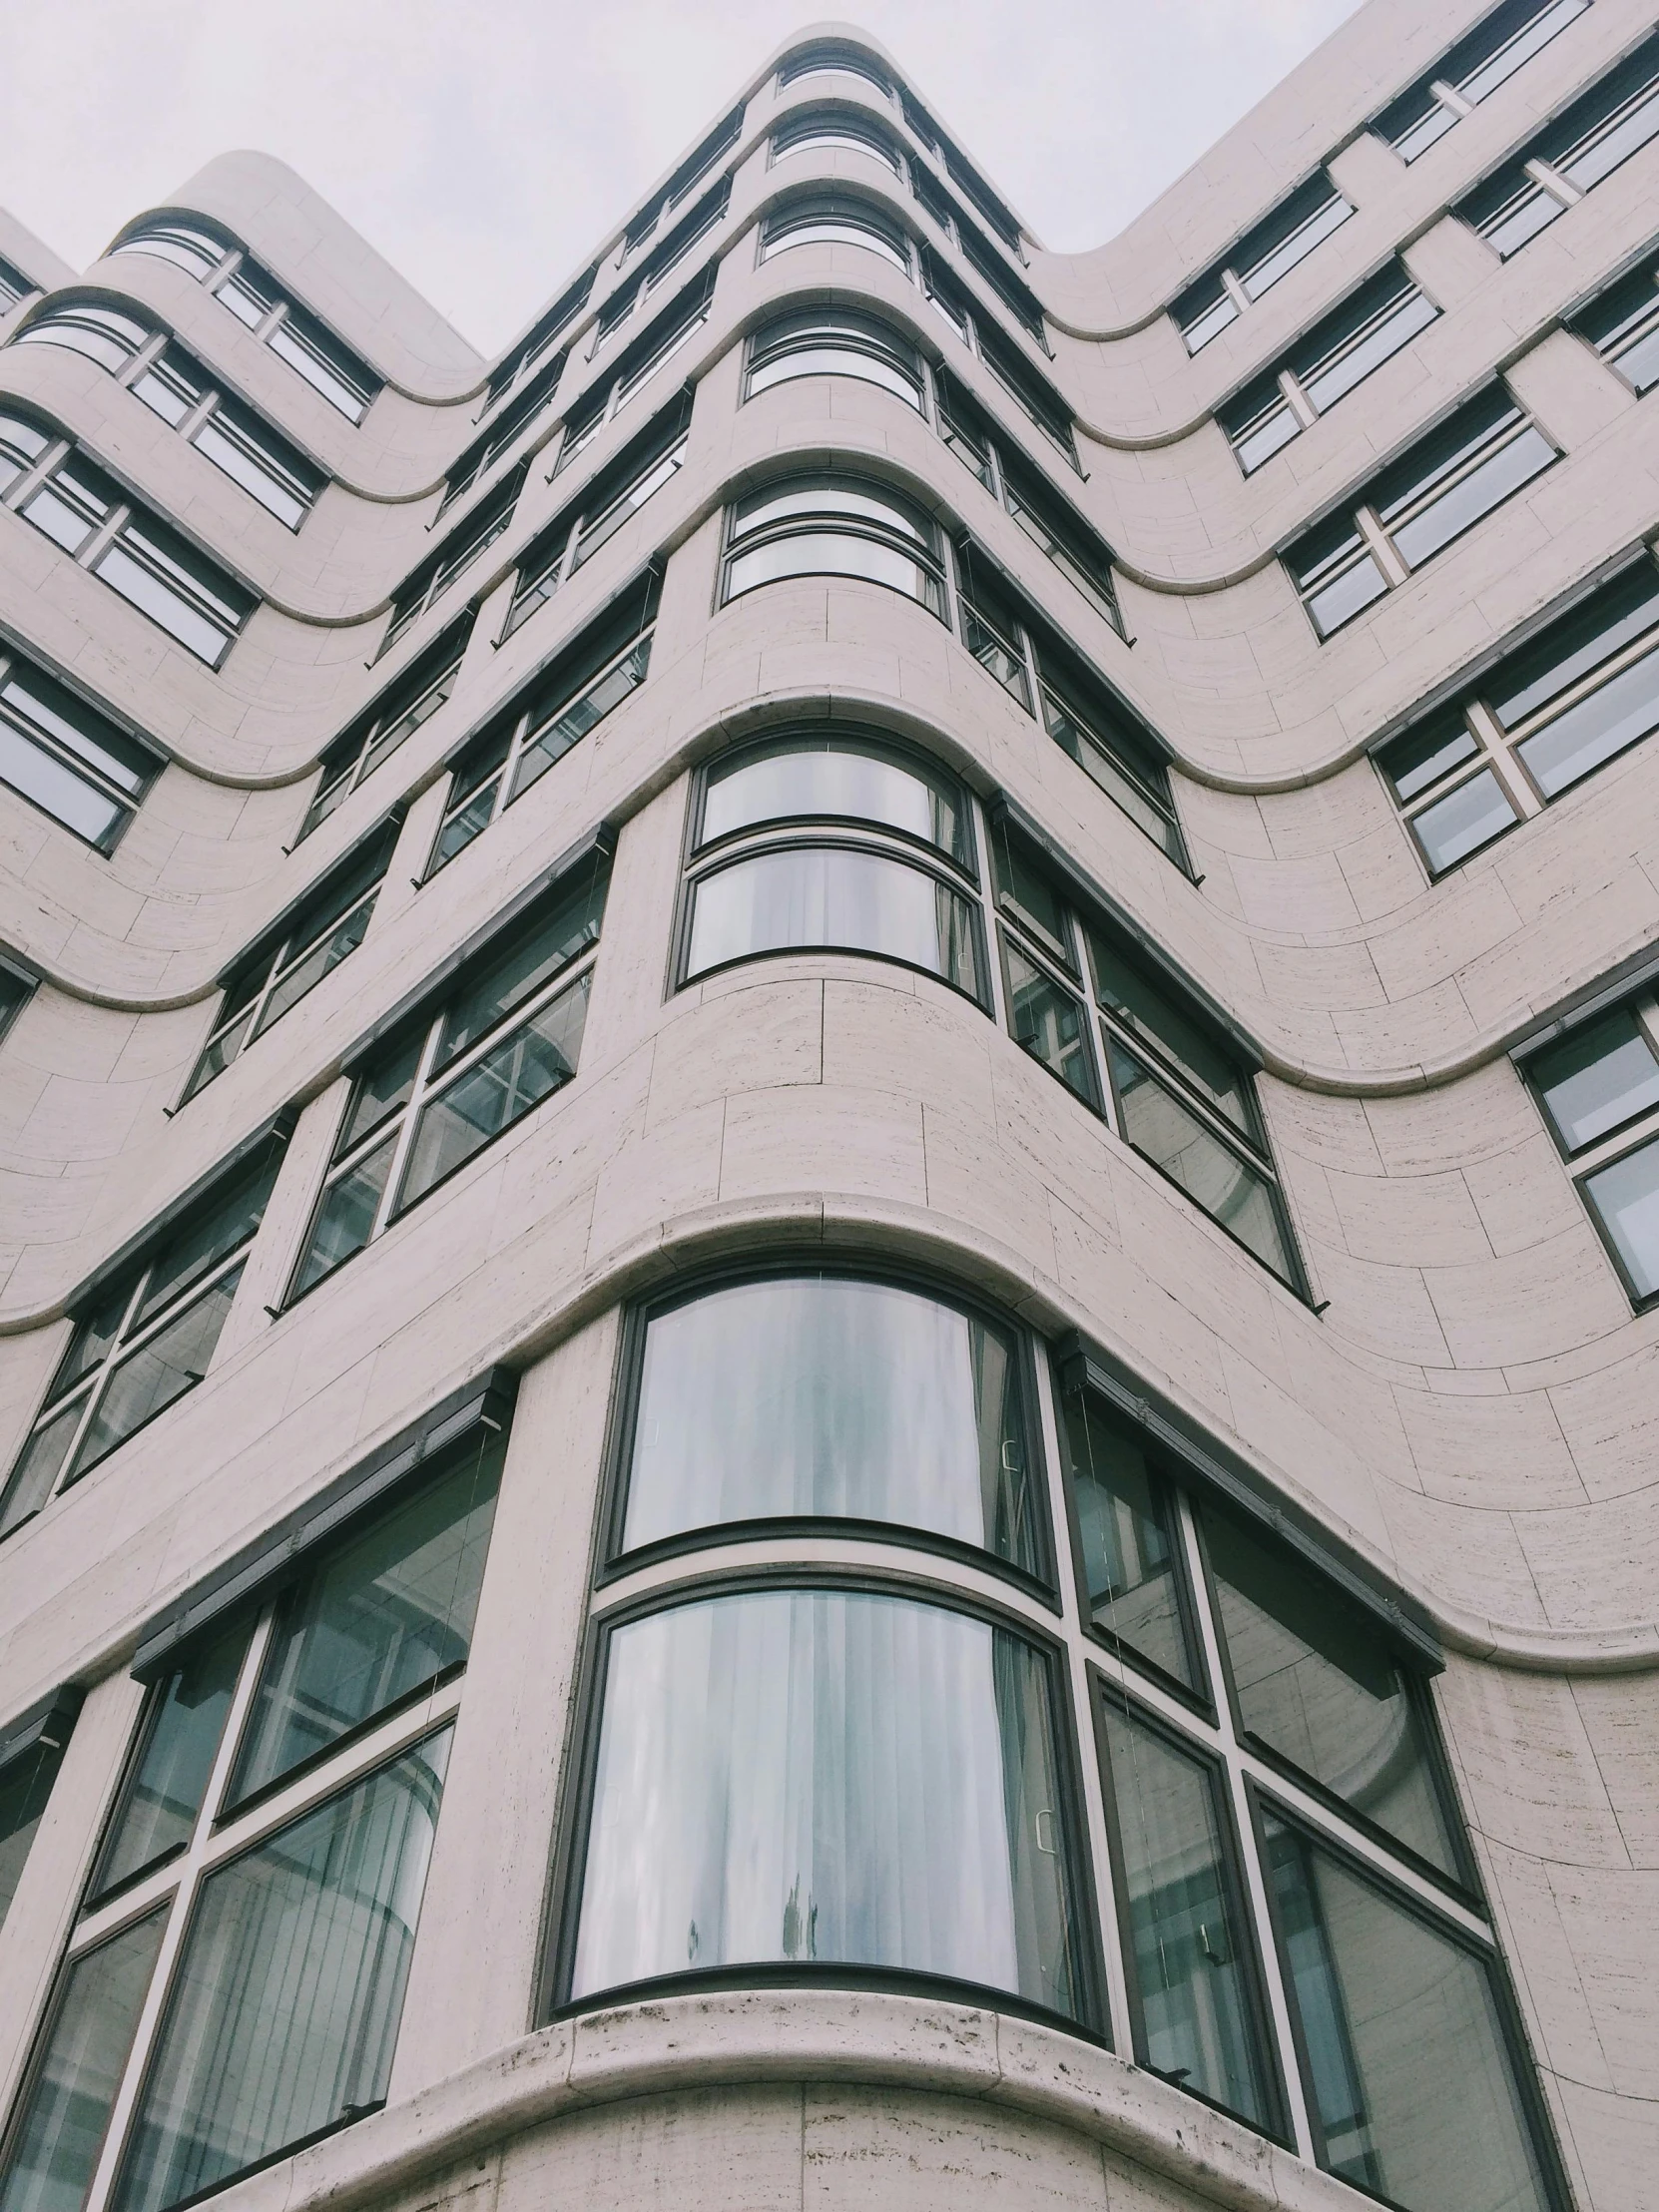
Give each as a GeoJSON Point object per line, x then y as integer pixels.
{"type": "Point", "coordinates": [326, 928]}
{"type": "Point", "coordinates": [1303, 220]}
{"type": "Point", "coordinates": [1623, 326]}
{"type": "Point", "coordinates": [1543, 718]}
{"type": "Point", "coordinates": [633, 369]}
{"type": "Point", "coordinates": [541, 334]}
{"type": "Point", "coordinates": [1598, 1087]}
{"type": "Point", "coordinates": [613, 496]}
{"type": "Point", "coordinates": [141, 1342]}
{"type": "Point", "coordinates": [66, 758]}
{"type": "Point", "coordinates": [1586, 143]}
{"type": "Point", "coordinates": [167, 1780]}
{"type": "Point", "coordinates": [1502, 42]}
{"type": "Point", "coordinates": [1483, 454]}
{"type": "Point", "coordinates": [408, 700]}
{"type": "Point", "coordinates": [26, 1781]}
{"type": "Point", "coordinates": [506, 1035]}
{"type": "Point", "coordinates": [1129, 1544]}
{"type": "Point", "coordinates": [470, 537]}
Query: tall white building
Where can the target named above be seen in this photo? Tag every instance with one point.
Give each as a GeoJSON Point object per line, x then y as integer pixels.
{"type": "Point", "coordinates": [830, 1178]}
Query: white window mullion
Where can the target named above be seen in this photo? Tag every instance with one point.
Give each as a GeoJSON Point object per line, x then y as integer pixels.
{"type": "Point", "coordinates": [106, 534]}
{"type": "Point", "coordinates": [1296, 400]}
{"type": "Point", "coordinates": [32, 479]}
{"type": "Point", "coordinates": [1235, 291]}
{"type": "Point", "coordinates": [1561, 188]}
{"type": "Point", "coordinates": [1449, 97]}
{"type": "Point", "coordinates": [180, 1914]}
{"type": "Point", "coordinates": [1251, 1876]}
{"type": "Point", "coordinates": [1501, 759]}
{"type": "Point", "coordinates": [405, 1135]}
{"type": "Point", "coordinates": [1377, 538]}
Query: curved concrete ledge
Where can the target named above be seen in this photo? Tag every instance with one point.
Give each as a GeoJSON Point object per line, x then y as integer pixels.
{"type": "Point", "coordinates": [800, 2034]}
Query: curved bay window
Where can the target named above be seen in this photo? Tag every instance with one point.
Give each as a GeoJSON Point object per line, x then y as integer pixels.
{"type": "Point", "coordinates": [834, 130]}
{"type": "Point", "coordinates": [835, 341]}
{"type": "Point", "coordinates": [830, 1398]}
{"type": "Point", "coordinates": [834, 526]}
{"type": "Point", "coordinates": [836, 219]}
{"type": "Point", "coordinates": [784, 890]}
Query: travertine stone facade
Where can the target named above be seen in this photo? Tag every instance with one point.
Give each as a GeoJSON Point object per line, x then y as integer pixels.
{"type": "Point", "coordinates": [1464, 1401]}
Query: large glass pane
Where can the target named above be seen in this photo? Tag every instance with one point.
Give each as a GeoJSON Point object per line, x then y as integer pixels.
{"type": "Point", "coordinates": [306, 973]}
{"type": "Point", "coordinates": [1465, 819]}
{"type": "Point", "coordinates": [1420, 757]}
{"type": "Point", "coordinates": [834, 553]}
{"type": "Point", "coordinates": [1608, 621]}
{"type": "Point", "coordinates": [824, 778]}
{"type": "Point", "coordinates": [24, 1786]}
{"type": "Point", "coordinates": [1485, 486]}
{"type": "Point", "coordinates": [1230, 1192]}
{"type": "Point", "coordinates": [519, 971]}
{"type": "Point", "coordinates": [162, 1795]}
{"type": "Point", "coordinates": [1407, 2069]}
{"type": "Point", "coordinates": [1126, 1526]}
{"type": "Point", "coordinates": [1625, 1199]}
{"type": "Point", "coordinates": [1280, 258]}
{"type": "Point", "coordinates": [346, 1219]}
{"type": "Point", "coordinates": [819, 1394]}
{"type": "Point", "coordinates": [66, 2108]}
{"type": "Point", "coordinates": [1128, 993]}
{"type": "Point", "coordinates": [1380, 337]}
{"type": "Point", "coordinates": [172, 1362]}
{"type": "Point", "coordinates": [1624, 708]}
{"type": "Point", "coordinates": [790, 1776]}
{"type": "Point", "coordinates": [833, 900]}
{"type": "Point", "coordinates": [1195, 1988]}
{"type": "Point", "coordinates": [1316, 1683]}
{"type": "Point", "coordinates": [57, 789]}
{"type": "Point", "coordinates": [197, 1248]}
{"type": "Point", "coordinates": [38, 1465]}
{"type": "Point", "coordinates": [555, 736]}
{"type": "Point", "coordinates": [58, 716]}
{"type": "Point", "coordinates": [384, 1615]}
{"type": "Point", "coordinates": [284, 2007]}
{"type": "Point", "coordinates": [184, 604]}
{"type": "Point", "coordinates": [501, 1086]}
{"type": "Point", "coordinates": [1050, 1023]}
{"type": "Point", "coordinates": [1599, 1078]}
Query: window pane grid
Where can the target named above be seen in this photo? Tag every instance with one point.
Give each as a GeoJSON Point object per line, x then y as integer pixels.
{"type": "Point", "coordinates": [1269, 252]}
{"type": "Point", "coordinates": [432, 1100]}
{"type": "Point", "coordinates": [1590, 690]}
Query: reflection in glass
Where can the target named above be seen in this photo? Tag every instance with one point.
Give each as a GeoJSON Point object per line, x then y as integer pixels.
{"type": "Point", "coordinates": [1408, 2070]}
{"type": "Point", "coordinates": [162, 1792]}
{"type": "Point", "coordinates": [820, 1395]}
{"type": "Point", "coordinates": [1463, 822]}
{"type": "Point", "coordinates": [826, 898]}
{"type": "Point", "coordinates": [1317, 1684]}
{"type": "Point", "coordinates": [527, 1065]}
{"type": "Point", "coordinates": [1050, 1023]}
{"type": "Point", "coordinates": [172, 1362]}
{"type": "Point", "coordinates": [60, 2125]}
{"type": "Point", "coordinates": [1157, 1124]}
{"type": "Point", "coordinates": [1622, 709]}
{"type": "Point", "coordinates": [1126, 1526]}
{"type": "Point", "coordinates": [1625, 1197]}
{"type": "Point", "coordinates": [1194, 1968]}
{"type": "Point", "coordinates": [24, 1786]}
{"type": "Point", "coordinates": [1137, 1003]}
{"type": "Point", "coordinates": [794, 1775]}
{"type": "Point", "coordinates": [1599, 1078]}
{"type": "Point", "coordinates": [285, 2008]}
{"type": "Point", "coordinates": [832, 779]}
{"type": "Point", "coordinates": [387, 1614]}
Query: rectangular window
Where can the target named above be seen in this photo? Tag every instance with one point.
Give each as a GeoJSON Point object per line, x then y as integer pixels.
{"type": "Point", "coordinates": [66, 758]}
{"type": "Point", "coordinates": [1597, 1087]}
{"type": "Point", "coordinates": [1623, 326]}
{"type": "Point", "coordinates": [395, 715]}
{"type": "Point", "coordinates": [1470, 71]}
{"type": "Point", "coordinates": [506, 1035]}
{"type": "Point", "coordinates": [1084, 716]}
{"type": "Point", "coordinates": [1544, 716]}
{"type": "Point", "coordinates": [1489, 449]}
{"type": "Point", "coordinates": [636, 365]}
{"type": "Point", "coordinates": [141, 1341]}
{"type": "Point", "coordinates": [15, 287]}
{"type": "Point", "coordinates": [1025, 384]}
{"type": "Point", "coordinates": [483, 454]}
{"type": "Point", "coordinates": [685, 180]}
{"type": "Point", "coordinates": [615, 494]}
{"type": "Point", "coordinates": [427, 583]}
{"type": "Point", "coordinates": [662, 261]}
{"type": "Point", "coordinates": [594, 674]}
{"type": "Point", "coordinates": [137, 554]}
{"type": "Point", "coordinates": [987, 264]}
{"type": "Point", "coordinates": [541, 334]}
{"type": "Point", "coordinates": [1360, 1902]}
{"type": "Point", "coordinates": [1341, 350]}
{"type": "Point", "coordinates": [285, 1952]}
{"type": "Point", "coordinates": [324, 928]}
{"type": "Point", "coordinates": [1302, 221]}
{"type": "Point", "coordinates": [1048, 519]}
{"type": "Point", "coordinates": [31, 1751]}
{"type": "Point", "coordinates": [1569, 156]}
{"type": "Point", "coordinates": [1173, 1088]}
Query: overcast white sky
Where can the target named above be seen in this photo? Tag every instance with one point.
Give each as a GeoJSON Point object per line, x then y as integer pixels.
{"type": "Point", "coordinates": [484, 148]}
